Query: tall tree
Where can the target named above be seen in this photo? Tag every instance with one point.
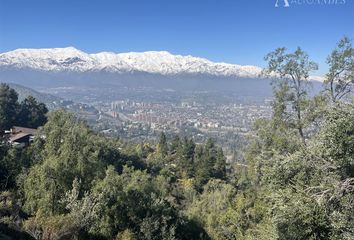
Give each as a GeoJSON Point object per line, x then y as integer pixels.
{"type": "Point", "coordinates": [185, 156]}
{"type": "Point", "coordinates": [220, 165]}
{"type": "Point", "coordinates": [340, 78]}
{"type": "Point", "coordinates": [31, 113]}
{"type": "Point", "coordinates": [176, 142]}
{"type": "Point", "coordinates": [70, 151]}
{"type": "Point", "coordinates": [8, 107]}
{"type": "Point", "coordinates": [291, 74]}
{"type": "Point", "coordinates": [162, 148]}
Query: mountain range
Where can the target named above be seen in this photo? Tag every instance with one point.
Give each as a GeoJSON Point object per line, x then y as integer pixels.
{"type": "Point", "coordinates": [68, 67]}
{"type": "Point", "coordinates": [154, 62]}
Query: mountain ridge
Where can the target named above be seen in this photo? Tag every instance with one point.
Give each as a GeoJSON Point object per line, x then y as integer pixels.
{"type": "Point", "coordinates": [154, 62]}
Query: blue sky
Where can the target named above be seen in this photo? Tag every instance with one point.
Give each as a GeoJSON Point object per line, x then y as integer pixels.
{"type": "Point", "coordinates": [234, 31]}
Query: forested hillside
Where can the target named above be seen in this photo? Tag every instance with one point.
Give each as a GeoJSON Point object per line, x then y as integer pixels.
{"type": "Point", "coordinates": [297, 182]}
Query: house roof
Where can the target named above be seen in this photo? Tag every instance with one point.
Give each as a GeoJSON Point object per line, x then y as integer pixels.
{"type": "Point", "coordinates": [18, 136]}
{"type": "Point", "coordinates": [17, 129]}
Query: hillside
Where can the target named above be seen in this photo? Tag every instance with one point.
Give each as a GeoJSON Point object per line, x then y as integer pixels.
{"type": "Point", "coordinates": [24, 92]}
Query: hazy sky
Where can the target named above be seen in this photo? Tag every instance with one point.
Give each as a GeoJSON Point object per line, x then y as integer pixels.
{"type": "Point", "coordinates": [234, 31]}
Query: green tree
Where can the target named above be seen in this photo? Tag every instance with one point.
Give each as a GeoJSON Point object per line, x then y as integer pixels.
{"type": "Point", "coordinates": [80, 214]}
{"type": "Point", "coordinates": [31, 113]}
{"type": "Point", "coordinates": [12, 164]}
{"type": "Point", "coordinates": [185, 157]}
{"type": "Point", "coordinates": [309, 189]}
{"type": "Point", "coordinates": [220, 165]}
{"type": "Point", "coordinates": [8, 107]}
{"type": "Point", "coordinates": [211, 205]}
{"type": "Point", "coordinates": [340, 78]}
{"type": "Point", "coordinates": [176, 142]}
{"type": "Point", "coordinates": [162, 148]}
{"type": "Point", "coordinates": [291, 74]}
{"type": "Point", "coordinates": [133, 205]}
{"type": "Point", "coordinates": [70, 151]}
{"type": "Point", "coordinates": [337, 138]}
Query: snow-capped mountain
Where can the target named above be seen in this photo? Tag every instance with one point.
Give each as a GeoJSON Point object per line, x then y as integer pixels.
{"type": "Point", "coordinates": [158, 70]}
{"type": "Point", "coordinates": [154, 62]}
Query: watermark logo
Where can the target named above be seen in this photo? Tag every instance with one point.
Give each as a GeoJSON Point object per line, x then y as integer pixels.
{"type": "Point", "coordinates": [286, 3]}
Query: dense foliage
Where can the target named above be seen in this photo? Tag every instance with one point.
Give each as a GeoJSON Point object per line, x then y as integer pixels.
{"type": "Point", "coordinates": [28, 113]}
{"type": "Point", "coordinates": [297, 182]}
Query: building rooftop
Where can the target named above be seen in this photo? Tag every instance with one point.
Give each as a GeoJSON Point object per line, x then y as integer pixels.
{"type": "Point", "coordinates": [17, 129]}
